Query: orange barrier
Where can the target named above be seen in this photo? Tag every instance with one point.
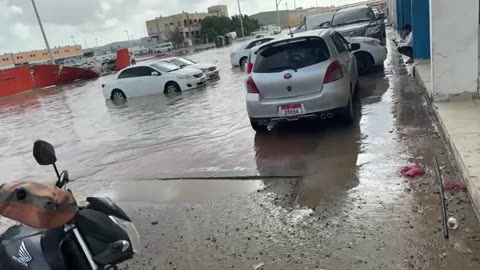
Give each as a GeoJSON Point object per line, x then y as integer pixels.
{"type": "Point", "coordinates": [15, 80]}
{"type": "Point", "coordinates": [45, 75]}
{"type": "Point", "coordinates": [70, 74]}
{"type": "Point", "coordinates": [123, 59]}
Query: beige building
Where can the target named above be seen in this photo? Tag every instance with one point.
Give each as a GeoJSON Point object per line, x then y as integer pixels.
{"type": "Point", "coordinates": [220, 10]}
{"type": "Point", "coordinates": [38, 56]}
{"type": "Point", "coordinates": [189, 24]}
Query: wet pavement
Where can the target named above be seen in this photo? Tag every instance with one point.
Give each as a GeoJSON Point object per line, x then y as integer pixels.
{"type": "Point", "coordinates": [206, 192]}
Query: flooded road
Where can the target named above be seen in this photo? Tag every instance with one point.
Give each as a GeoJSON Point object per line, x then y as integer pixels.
{"type": "Point", "coordinates": [206, 192]}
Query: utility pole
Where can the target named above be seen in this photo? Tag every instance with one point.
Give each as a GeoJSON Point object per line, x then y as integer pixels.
{"type": "Point", "coordinates": [295, 4]}
{"type": "Point", "coordinates": [43, 32]}
{"type": "Point", "coordinates": [128, 36]}
{"type": "Point", "coordinates": [73, 39]}
{"type": "Point", "coordinates": [241, 19]}
{"type": "Point", "coordinates": [277, 3]}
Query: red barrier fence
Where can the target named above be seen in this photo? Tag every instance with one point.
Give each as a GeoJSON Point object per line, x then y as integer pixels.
{"type": "Point", "coordinates": [15, 80]}
{"type": "Point", "coordinates": [20, 79]}
{"type": "Point", "coordinates": [123, 59]}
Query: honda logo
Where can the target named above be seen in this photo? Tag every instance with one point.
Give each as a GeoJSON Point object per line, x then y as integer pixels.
{"type": "Point", "coordinates": [23, 256]}
{"type": "Point", "coordinates": [287, 76]}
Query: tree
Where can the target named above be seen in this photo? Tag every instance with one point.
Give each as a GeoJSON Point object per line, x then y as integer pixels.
{"type": "Point", "coordinates": [249, 25]}
{"type": "Point", "coordinates": [176, 37]}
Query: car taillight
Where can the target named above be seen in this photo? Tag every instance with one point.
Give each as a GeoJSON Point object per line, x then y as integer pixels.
{"type": "Point", "coordinates": [334, 72]}
{"type": "Point", "coordinates": [251, 86]}
{"type": "Point", "coordinates": [249, 67]}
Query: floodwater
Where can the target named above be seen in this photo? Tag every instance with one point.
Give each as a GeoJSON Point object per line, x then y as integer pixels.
{"type": "Point", "coordinates": [206, 192]}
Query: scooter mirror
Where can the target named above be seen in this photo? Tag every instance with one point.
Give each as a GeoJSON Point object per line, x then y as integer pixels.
{"type": "Point", "coordinates": [44, 153]}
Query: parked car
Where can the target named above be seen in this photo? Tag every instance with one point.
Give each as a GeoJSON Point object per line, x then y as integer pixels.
{"type": "Point", "coordinates": [210, 70]}
{"type": "Point", "coordinates": [143, 80]}
{"type": "Point", "coordinates": [164, 47]}
{"type": "Point", "coordinates": [311, 75]}
{"type": "Point", "coordinates": [359, 21]}
{"type": "Point", "coordinates": [240, 56]}
{"type": "Point", "coordinates": [318, 21]}
{"type": "Point", "coordinates": [371, 53]}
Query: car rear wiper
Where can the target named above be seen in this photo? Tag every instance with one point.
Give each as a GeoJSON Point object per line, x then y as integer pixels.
{"type": "Point", "coordinates": [282, 68]}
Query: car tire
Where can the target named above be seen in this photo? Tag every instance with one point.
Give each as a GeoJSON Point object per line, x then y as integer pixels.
{"type": "Point", "coordinates": [172, 87]}
{"type": "Point", "coordinates": [364, 62]}
{"type": "Point", "coordinates": [118, 97]}
{"type": "Point", "coordinates": [348, 114]}
{"type": "Point", "coordinates": [258, 128]}
{"type": "Point", "coordinates": [243, 61]}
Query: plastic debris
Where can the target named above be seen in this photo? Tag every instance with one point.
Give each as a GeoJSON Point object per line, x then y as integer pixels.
{"type": "Point", "coordinates": [454, 186]}
{"type": "Point", "coordinates": [452, 223]}
{"type": "Point", "coordinates": [412, 170]}
{"type": "Point", "coordinates": [258, 266]}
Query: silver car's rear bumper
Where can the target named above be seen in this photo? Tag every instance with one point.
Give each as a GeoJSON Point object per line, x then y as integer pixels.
{"type": "Point", "coordinates": [333, 96]}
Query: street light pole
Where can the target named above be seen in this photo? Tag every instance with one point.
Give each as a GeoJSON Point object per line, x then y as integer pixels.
{"type": "Point", "coordinates": [73, 39]}
{"type": "Point", "coordinates": [128, 36]}
{"type": "Point", "coordinates": [241, 19]}
{"type": "Point", "coordinates": [43, 32]}
{"type": "Point", "coordinates": [277, 3]}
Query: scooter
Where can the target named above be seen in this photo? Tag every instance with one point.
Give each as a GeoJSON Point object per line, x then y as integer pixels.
{"type": "Point", "coordinates": [99, 237]}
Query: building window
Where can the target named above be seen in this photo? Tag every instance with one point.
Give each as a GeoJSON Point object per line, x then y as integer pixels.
{"type": "Point", "coordinates": [197, 33]}
{"type": "Point", "coordinates": [195, 22]}
{"type": "Point", "coordinates": [187, 34]}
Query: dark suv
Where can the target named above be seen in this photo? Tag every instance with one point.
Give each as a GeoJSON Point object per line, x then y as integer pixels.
{"type": "Point", "coordinates": [359, 21]}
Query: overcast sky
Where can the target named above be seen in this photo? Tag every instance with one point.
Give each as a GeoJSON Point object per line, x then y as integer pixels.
{"type": "Point", "coordinates": [105, 20]}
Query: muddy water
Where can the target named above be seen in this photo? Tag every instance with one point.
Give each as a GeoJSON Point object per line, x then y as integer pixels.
{"type": "Point", "coordinates": [309, 195]}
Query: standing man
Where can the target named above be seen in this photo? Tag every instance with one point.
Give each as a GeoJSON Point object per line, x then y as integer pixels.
{"type": "Point", "coordinates": [405, 46]}
{"type": "Point", "coordinates": [133, 59]}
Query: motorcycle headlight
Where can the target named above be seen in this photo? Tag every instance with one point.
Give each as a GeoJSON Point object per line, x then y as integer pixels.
{"type": "Point", "coordinates": [185, 77]}
{"type": "Point", "coordinates": [372, 30]}
{"type": "Point", "coordinates": [131, 231]}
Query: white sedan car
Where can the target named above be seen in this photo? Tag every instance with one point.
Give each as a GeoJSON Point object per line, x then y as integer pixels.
{"type": "Point", "coordinates": [143, 80]}
{"type": "Point", "coordinates": [240, 56]}
{"type": "Point", "coordinates": [371, 53]}
{"type": "Point", "coordinates": [210, 70]}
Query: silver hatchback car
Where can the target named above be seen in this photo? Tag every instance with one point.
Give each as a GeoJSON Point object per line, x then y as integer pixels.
{"type": "Point", "coordinates": [309, 75]}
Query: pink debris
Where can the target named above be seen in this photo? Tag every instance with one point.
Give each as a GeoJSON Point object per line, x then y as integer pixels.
{"type": "Point", "coordinates": [412, 170]}
{"type": "Point", "coordinates": [454, 186]}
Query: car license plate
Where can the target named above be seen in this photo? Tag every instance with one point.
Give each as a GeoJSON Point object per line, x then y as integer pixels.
{"type": "Point", "coordinates": [291, 110]}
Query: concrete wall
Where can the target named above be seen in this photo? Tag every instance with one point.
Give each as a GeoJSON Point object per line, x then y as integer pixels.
{"type": "Point", "coordinates": [454, 48]}
{"type": "Point", "coordinates": [421, 28]}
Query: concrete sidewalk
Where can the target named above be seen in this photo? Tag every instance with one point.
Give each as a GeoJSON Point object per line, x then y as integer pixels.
{"type": "Point", "coordinates": [460, 122]}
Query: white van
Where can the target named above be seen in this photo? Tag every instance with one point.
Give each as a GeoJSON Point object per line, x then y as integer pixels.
{"type": "Point", "coordinates": [164, 47]}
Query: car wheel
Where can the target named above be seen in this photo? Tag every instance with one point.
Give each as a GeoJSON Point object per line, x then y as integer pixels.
{"type": "Point", "coordinates": [348, 112]}
{"type": "Point", "coordinates": [118, 97]}
{"type": "Point", "coordinates": [364, 62]}
{"type": "Point", "coordinates": [257, 127]}
{"type": "Point", "coordinates": [243, 61]}
{"type": "Point", "coordinates": [172, 87]}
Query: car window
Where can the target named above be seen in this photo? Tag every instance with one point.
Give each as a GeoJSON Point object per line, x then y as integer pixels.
{"type": "Point", "coordinates": [347, 44]}
{"type": "Point", "coordinates": [291, 54]}
{"type": "Point", "coordinates": [136, 72]}
{"type": "Point", "coordinates": [339, 44]}
{"type": "Point", "coordinates": [353, 16]}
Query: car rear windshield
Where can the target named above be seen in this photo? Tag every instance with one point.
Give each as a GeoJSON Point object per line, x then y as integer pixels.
{"type": "Point", "coordinates": [353, 16]}
{"type": "Point", "coordinates": [292, 54]}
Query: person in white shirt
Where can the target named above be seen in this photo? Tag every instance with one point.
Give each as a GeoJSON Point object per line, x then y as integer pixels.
{"type": "Point", "coordinates": [133, 59]}
{"type": "Point", "coordinates": [405, 46]}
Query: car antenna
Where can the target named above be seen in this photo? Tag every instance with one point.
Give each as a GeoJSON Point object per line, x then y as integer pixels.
{"type": "Point", "coordinates": [291, 33]}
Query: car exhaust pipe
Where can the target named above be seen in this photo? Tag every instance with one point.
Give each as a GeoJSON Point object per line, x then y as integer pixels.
{"type": "Point", "coordinates": [329, 115]}
{"type": "Point", "coordinates": [323, 116]}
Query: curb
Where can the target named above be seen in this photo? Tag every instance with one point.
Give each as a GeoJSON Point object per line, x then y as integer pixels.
{"type": "Point", "coordinates": [473, 188]}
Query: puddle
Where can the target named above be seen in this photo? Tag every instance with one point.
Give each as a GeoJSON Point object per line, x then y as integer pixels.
{"type": "Point", "coordinates": [184, 191]}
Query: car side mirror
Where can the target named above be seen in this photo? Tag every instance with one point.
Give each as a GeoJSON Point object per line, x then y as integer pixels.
{"type": "Point", "coordinates": [44, 153]}
{"type": "Point", "coordinates": [154, 73]}
{"type": "Point", "coordinates": [381, 16]}
{"type": "Point", "coordinates": [354, 46]}
{"type": "Point", "coordinates": [325, 25]}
